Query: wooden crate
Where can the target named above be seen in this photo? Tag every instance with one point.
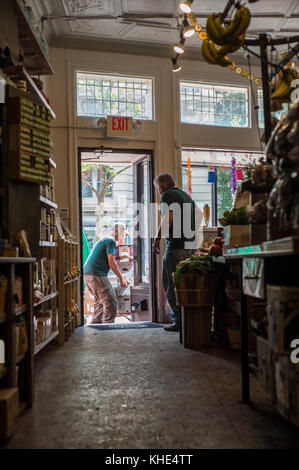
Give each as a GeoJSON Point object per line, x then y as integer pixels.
{"type": "Point", "coordinates": [195, 291]}
{"type": "Point", "coordinates": [196, 327]}
{"type": "Point", "coordinates": [236, 235]}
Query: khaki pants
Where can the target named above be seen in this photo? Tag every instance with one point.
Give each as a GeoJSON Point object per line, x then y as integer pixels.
{"type": "Point", "coordinates": [105, 299]}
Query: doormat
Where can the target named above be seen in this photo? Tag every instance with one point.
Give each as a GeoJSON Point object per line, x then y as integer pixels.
{"type": "Point", "coordinates": [123, 326]}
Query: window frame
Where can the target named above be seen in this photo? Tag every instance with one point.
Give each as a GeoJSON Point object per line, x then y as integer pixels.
{"type": "Point", "coordinates": [117, 76]}
{"type": "Point", "coordinates": [215, 84]}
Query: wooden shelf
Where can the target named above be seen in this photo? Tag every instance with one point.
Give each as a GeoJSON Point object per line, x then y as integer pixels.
{"type": "Point", "coordinates": [46, 298]}
{"type": "Point", "coordinates": [35, 58]}
{"type": "Point", "coordinates": [72, 280]}
{"type": "Point", "coordinates": [18, 71]}
{"type": "Point", "coordinates": [16, 260]}
{"type": "Point", "coordinates": [281, 247]}
{"type": "Point", "coordinates": [20, 310]}
{"type": "Point", "coordinates": [45, 243]}
{"type": "Point", "coordinates": [47, 202]}
{"type": "Point", "coordinates": [40, 346]}
{"type": "Point", "coordinates": [20, 358]}
{"type": "Point", "coordinates": [3, 372]}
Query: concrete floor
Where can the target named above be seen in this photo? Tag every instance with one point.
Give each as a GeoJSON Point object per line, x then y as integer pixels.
{"type": "Point", "coordinates": [134, 389]}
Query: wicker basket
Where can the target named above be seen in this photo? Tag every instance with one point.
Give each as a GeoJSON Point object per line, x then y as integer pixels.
{"type": "Point", "coordinates": [195, 291]}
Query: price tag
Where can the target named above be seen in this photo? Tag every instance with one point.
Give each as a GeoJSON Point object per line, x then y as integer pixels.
{"type": "Point", "coordinates": [2, 90]}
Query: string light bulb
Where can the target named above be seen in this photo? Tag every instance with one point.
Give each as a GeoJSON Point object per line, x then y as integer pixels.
{"type": "Point", "coordinates": [186, 6]}
{"type": "Point", "coordinates": [188, 30]}
{"type": "Point", "coordinates": [179, 49]}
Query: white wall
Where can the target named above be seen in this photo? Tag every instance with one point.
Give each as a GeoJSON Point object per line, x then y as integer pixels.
{"type": "Point", "coordinates": [165, 135]}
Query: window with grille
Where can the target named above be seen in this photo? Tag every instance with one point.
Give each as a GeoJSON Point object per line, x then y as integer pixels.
{"type": "Point", "coordinates": [214, 105]}
{"type": "Point", "coordinates": [106, 95]}
{"type": "Point", "coordinates": [277, 114]}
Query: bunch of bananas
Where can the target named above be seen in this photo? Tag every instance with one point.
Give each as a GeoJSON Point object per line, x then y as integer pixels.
{"type": "Point", "coordinates": [283, 88]}
{"type": "Point", "coordinates": [230, 38]}
{"type": "Point", "coordinates": [214, 55]}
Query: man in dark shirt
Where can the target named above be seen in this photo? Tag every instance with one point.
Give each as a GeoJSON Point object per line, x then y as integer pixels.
{"type": "Point", "coordinates": [180, 219]}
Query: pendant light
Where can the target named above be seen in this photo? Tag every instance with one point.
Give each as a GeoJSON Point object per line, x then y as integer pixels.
{"type": "Point", "coordinates": [175, 66]}
{"type": "Point", "coordinates": [186, 6]}
{"type": "Point", "coordinates": [188, 30]}
{"type": "Point", "coordinates": [179, 48]}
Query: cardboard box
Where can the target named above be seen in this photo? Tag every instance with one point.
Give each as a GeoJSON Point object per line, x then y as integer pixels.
{"type": "Point", "coordinates": [236, 235]}
{"type": "Point", "coordinates": [283, 316]}
{"type": "Point", "coordinates": [124, 304]}
{"type": "Point", "coordinates": [9, 411]}
{"type": "Point", "coordinates": [287, 388]}
{"type": "Point", "coordinates": [266, 375]}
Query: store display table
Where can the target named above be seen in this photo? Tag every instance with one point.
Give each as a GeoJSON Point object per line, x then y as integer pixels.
{"type": "Point", "coordinates": [280, 260]}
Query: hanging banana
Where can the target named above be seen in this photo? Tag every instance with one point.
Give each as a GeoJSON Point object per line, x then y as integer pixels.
{"type": "Point", "coordinates": [231, 37]}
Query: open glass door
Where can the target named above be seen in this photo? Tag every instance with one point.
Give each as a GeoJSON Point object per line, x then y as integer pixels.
{"type": "Point", "coordinates": [141, 291]}
{"type": "Point", "coordinates": [127, 178]}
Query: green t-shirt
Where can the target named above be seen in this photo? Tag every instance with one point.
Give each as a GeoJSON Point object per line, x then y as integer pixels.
{"type": "Point", "coordinates": [183, 222]}
{"type": "Point", "coordinates": [97, 262]}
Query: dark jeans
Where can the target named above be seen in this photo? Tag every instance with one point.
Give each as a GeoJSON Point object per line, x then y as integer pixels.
{"type": "Point", "coordinates": [170, 260]}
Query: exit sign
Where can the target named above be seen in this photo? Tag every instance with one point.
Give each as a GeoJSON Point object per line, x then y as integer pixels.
{"type": "Point", "coordinates": [119, 126]}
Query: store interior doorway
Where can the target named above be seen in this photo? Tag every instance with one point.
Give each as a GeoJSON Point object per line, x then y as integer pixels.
{"type": "Point", "coordinates": [114, 184]}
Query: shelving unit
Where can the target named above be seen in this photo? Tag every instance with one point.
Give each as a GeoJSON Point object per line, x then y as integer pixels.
{"type": "Point", "coordinates": [38, 348]}
{"type": "Point", "coordinates": [35, 60]}
{"type": "Point", "coordinates": [68, 288]}
{"type": "Point", "coordinates": [18, 370]}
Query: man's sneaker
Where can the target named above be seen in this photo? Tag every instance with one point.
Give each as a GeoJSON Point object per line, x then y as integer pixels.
{"type": "Point", "coordinates": [172, 327]}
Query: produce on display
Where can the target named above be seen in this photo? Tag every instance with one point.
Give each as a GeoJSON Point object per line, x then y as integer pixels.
{"type": "Point", "coordinates": [283, 150]}
{"type": "Point", "coordinates": [216, 248]}
{"type": "Point", "coordinates": [230, 37]}
{"type": "Point", "coordinates": [234, 217]}
{"type": "Point", "coordinates": [283, 88]}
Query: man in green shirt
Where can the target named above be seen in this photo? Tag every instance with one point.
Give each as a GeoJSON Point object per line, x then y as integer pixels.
{"type": "Point", "coordinates": [180, 219]}
{"type": "Point", "coordinates": [96, 269]}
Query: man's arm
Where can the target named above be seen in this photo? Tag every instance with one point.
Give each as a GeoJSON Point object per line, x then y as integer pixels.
{"type": "Point", "coordinates": [112, 264]}
{"type": "Point", "coordinates": [165, 224]}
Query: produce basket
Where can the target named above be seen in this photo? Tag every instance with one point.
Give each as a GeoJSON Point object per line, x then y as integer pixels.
{"type": "Point", "coordinates": [195, 290]}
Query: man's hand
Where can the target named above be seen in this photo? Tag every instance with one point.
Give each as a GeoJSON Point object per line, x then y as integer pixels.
{"type": "Point", "coordinates": [156, 246]}
{"type": "Point", "coordinates": [124, 282]}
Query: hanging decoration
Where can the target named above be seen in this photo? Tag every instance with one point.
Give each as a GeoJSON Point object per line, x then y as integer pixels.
{"type": "Point", "coordinates": [203, 36]}
{"type": "Point", "coordinates": [211, 177]}
{"type": "Point", "coordinates": [189, 176]}
{"type": "Point", "coordinates": [239, 174]}
{"type": "Point", "coordinates": [233, 175]}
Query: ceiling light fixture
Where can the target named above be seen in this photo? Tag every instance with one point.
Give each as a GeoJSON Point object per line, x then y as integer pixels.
{"type": "Point", "coordinates": [188, 30]}
{"type": "Point", "coordinates": [186, 6]}
{"type": "Point", "coordinates": [179, 48]}
{"type": "Point", "coordinates": [175, 66]}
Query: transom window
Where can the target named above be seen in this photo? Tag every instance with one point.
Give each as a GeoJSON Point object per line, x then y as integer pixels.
{"type": "Point", "coordinates": [214, 105]}
{"type": "Point", "coordinates": [107, 95]}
